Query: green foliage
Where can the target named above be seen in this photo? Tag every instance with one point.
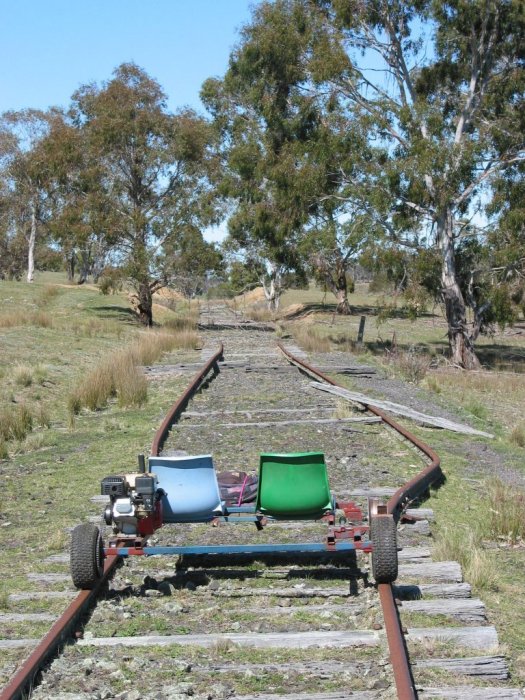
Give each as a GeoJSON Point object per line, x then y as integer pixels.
{"type": "Point", "coordinates": [13, 252]}
{"type": "Point", "coordinates": [131, 176]}
{"type": "Point", "coordinates": [305, 117]}
{"type": "Point", "coordinates": [111, 281]}
{"type": "Point", "coordinates": [190, 261]}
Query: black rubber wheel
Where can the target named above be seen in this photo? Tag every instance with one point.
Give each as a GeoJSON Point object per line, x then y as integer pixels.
{"type": "Point", "coordinates": [384, 556]}
{"type": "Point", "coordinates": [87, 556]}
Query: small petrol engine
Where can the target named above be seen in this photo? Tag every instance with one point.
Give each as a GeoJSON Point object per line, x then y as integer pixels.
{"type": "Point", "coordinates": [135, 506]}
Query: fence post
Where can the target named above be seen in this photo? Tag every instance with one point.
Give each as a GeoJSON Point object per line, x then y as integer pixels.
{"type": "Point", "coordinates": [361, 331]}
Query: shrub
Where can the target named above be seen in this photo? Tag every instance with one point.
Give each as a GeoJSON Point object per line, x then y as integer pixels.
{"type": "Point", "coordinates": [111, 281]}
{"type": "Point", "coordinates": [412, 364]}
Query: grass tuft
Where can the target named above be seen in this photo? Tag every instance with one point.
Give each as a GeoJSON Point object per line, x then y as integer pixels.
{"type": "Point", "coordinates": [48, 293]}
{"type": "Point", "coordinates": [477, 409]}
{"type": "Point", "coordinates": [465, 547]}
{"type": "Point", "coordinates": [15, 423]}
{"type": "Point", "coordinates": [310, 339]}
{"type": "Point", "coordinates": [130, 384]}
{"type": "Point", "coordinates": [23, 375]}
{"type": "Point", "coordinates": [517, 435]}
{"type": "Point", "coordinates": [413, 364]}
{"type": "Point", "coordinates": [41, 319]}
{"type": "Point", "coordinates": [506, 512]}
{"type": "Point", "coordinates": [119, 375]}
{"type": "Point", "coordinates": [257, 313]}
{"type": "Point", "coordinates": [42, 417]}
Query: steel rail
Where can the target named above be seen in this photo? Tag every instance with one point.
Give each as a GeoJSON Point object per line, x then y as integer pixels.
{"type": "Point", "coordinates": [63, 627]}
{"type": "Point", "coordinates": [179, 406]}
{"type": "Point", "coordinates": [48, 646]}
{"type": "Point", "coordinates": [416, 487]}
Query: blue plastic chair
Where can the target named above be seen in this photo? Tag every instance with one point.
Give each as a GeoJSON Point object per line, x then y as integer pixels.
{"type": "Point", "coordinates": [192, 491]}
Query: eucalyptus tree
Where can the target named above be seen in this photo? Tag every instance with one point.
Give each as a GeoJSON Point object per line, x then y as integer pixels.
{"type": "Point", "coordinates": [150, 169]}
{"type": "Point", "coordinates": [190, 261]}
{"type": "Point", "coordinates": [264, 121]}
{"type": "Point", "coordinates": [439, 88]}
{"type": "Point", "coordinates": [25, 173]}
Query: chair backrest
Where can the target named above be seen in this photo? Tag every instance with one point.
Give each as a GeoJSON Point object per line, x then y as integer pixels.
{"type": "Point", "coordinates": [190, 483]}
{"type": "Point", "coordinates": [293, 485]}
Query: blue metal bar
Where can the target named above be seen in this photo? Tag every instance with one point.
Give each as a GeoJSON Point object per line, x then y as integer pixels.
{"type": "Point", "coordinates": [239, 509]}
{"type": "Point", "coordinates": [240, 549]}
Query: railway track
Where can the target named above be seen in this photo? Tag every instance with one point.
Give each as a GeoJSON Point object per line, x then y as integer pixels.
{"type": "Point", "coordinates": [272, 627]}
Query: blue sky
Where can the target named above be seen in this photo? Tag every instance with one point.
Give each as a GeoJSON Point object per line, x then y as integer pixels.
{"type": "Point", "coordinates": [50, 47]}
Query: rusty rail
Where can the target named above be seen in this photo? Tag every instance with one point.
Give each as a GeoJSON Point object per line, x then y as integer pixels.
{"type": "Point", "coordinates": [55, 638]}
{"type": "Point", "coordinates": [179, 406]}
{"type": "Point", "coordinates": [64, 626]}
{"type": "Point", "coordinates": [416, 487]}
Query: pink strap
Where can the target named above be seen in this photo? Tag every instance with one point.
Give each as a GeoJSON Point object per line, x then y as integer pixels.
{"type": "Point", "coordinates": [242, 490]}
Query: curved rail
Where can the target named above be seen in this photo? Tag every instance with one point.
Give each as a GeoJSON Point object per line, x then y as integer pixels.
{"type": "Point", "coordinates": [179, 406]}
{"type": "Point", "coordinates": [414, 488]}
{"type": "Point", "coordinates": [64, 626]}
{"type": "Point", "coordinates": [55, 638]}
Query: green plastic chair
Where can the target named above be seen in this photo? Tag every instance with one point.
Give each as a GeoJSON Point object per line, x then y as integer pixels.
{"type": "Point", "coordinates": [293, 485]}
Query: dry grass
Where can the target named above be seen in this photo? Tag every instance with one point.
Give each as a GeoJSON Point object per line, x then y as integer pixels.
{"type": "Point", "coordinates": [517, 435]}
{"type": "Point", "coordinates": [310, 338]}
{"type": "Point", "coordinates": [120, 375]}
{"type": "Point", "coordinates": [94, 328]}
{"type": "Point", "coordinates": [498, 394]}
{"type": "Point", "coordinates": [48, 293]}
{"type": "Point", "coordinates": [464, 546]}
{"type": "Point", "coordinates": [182, 324]}
{"type": "Point", "coordinates": [15, 423]}
{"type": "Point", "coordinates": [23, 375]}
{"type": "Point", "coordinates": [506, 512]}
{"type": "Point", "coordinates": [42, 417]}
{"type": "Point", "coordinates": [258, 313]}
{"type": "Point", "coordinates": [152, 344]}
{"type": "Point", "coordinates": [41, 319]}
{"type": "Point", "coordinates": [412, 364]}
{"type": "Point", "coordinates": [130, 383]}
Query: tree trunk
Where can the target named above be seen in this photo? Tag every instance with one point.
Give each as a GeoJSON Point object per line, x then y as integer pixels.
{"type": "Point", "coordinates": [31, 247]}
{"type": "Point", "coordinates": [145, 304]}
{"type": "Point", "coordinates": [273, 290]}
{"type": "Point", "coordinates": [343, 307]}
{"type": "Point", "coordinates": [85, 259]}
{"type": "Point", "coordinates": [70, 266]}
{"type": "Point", "coordinates": [460, 342]}
{"type": "Point", "coordinates": [333, 273]}
{"type": "Point", "coordinates": [341, 287]}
